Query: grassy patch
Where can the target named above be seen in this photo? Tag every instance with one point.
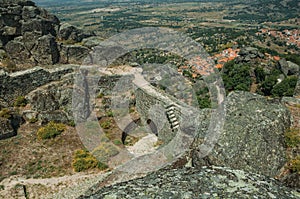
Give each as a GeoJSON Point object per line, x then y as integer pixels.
{"type": "Point", "coordinates": [83, 160]}
{"type": "Point", "coordinates": [51, 130]}
{"type": "Point", "coordinates": [6, 113]}
{"type": "Point", "coordinates": [106, 124]}
{"type": "Point", "coordinates": [294, 165]}
{"type": "Point", "coordinates": [20, 101]}
{"type": "Point", "coordinates": [117, 142]}
{"type": "Point", "coordinates": [33, 120]}
{"type": "Point", "coordinates": [292, 138]}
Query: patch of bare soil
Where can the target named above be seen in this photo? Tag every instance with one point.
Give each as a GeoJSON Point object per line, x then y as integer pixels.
{"type": "Point", "coordinates": [26, 160]}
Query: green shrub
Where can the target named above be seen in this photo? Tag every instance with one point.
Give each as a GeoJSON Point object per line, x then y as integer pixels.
{"type": "Point", "coordinates": [293, 58]}
{"type": "Point", "coordinates": [204, 102]}
{"type": "Point", "coordinates": [236, 77]}
{"type": "Point", "coordinates": [109, 114]}
{"type": "Point", "coordinates": [259, 74]}
{"type": "Point", "coordinates": [267, 85]}
{"type": "Point", "coordinates": [9, 64]}
{"type": "Point", "coordinates": [83, 160]}
{"type": "Point", "coordinates": [102, 166]}
{"type": "Point", "coordinates": [72, 123]}
{"type": "Point", "coordinates": [294, 165]}
{"type": "Point", "coordinates": [33, 120]}
{"type": "Point", "coordinates": [292, 137]}
{"type": "Point", "coordinates": [100, 95]}
{"type": "Point", "coordinates": [20, 101]}
{"type": "Point", "coordinates": [51, 130]}
{"type": "Point", "coordinates": [106, 124]}
{"type": "Point", "coordinates": [117, 142]}
{"type": "Point", "coordinates": [286, 87]}
{"type": "Point", "coordinates": [6, 113]}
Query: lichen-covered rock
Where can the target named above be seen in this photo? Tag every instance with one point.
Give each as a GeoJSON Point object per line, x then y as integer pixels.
{"type": "Point", "coordinates": [288, 68]}
{"type": "Point", "coordinates": [297, 88]}
{"type": "Point", "coordinates": [71, 33]}
{"type": "Point", "coordinates": [23, 31]}
{"type": "Point", "coordinates": [22, 82]}
{"type": "Point", "coordinates": [10, 121]}
{"type": "Point", "coordinates": [56, 116]}
{"type": "Point", "coordinates": [73, 54]}
{"type": "Point", "coordinates": [29, 36]}
{"type": "Point", "coordinates": [45, 51]}
{"type": "Point", "coordinates": [18, 52]}
{"type": "Point", "coordinates": [206, 182]}
{"type": "Point", "coordinates": [248, 54]}
{"type": "Point", "coordinates": [6, 129]}
{"type": "Point", "coordinates": [53, 101]}
{"type": "Point", "coordinates": [253, 135]}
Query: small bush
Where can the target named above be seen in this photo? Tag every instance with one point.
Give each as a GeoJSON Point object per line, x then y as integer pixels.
{"type": "Point", "coordinates": [33, 120]}
{"type": "Point", "coordinates": [51, 130]}
{"type": "Point", "coordinates": [83, 160]}
{"type": "Point", "coordinates": [72, 123]}
{"type": "Point", "coordinates": [9, 64]}
{"type": "Point", "coordinates": [286, 87]}
{"type": "Point", "coordinates": [6, 113]}
{"type": "Point", "coordinates": [117, 142]}
{"type": "Point", "coordinates": [236, 77]}
{"type": "Point", "coordinates": [100, 95]}
{"type": "Point", "coordinates": [20, 101]}
{"type": "Point", "coordinates": [204, 102]}
{"type": "Point", "coordinates": [294, 165]}
{"type": "Point", "coordinates": [109, 114]}
{"type": "Point", "coordinates": [106, 124]}
{"type": "Point", "coordinates": [259, 74]}
{"type": "Point", "coordinates": [102, 166]}
{"type": "Point", "coordinates": [292, 137]}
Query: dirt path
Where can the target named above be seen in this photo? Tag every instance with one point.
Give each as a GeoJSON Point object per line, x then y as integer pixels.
{"type": "Point", "coordinates": [47, 187]}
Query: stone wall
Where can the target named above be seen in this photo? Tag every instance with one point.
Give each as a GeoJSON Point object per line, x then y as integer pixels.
{"type": "Point", "coordinates": [21, 83]}
{"type": "Point", "coordinates": [152, 107]}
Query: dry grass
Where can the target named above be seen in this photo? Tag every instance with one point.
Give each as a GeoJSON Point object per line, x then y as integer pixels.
{"type": "Point", "coordinates": [28, 156]}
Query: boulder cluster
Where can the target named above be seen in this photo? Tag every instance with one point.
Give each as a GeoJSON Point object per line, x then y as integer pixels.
{"type": "Point", "coordinates": [31, 36]}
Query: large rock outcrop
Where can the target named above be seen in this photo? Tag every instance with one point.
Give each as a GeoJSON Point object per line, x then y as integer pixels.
{"type": "Point", "coordinates": [288, 68]}
{"type": "Point", "coordinates": [207, 182]}
{"type": "Point", "coordinates": [252, 137]}
{"type": "Point", "coordinates": [249, 54]}
{"type": "Point", "coordinates": [53, 101]}
{"type": "Point", "coordinates": [29, 35]}
{"type": "Point", "coordinates": [23, 28]}
{"type": "Point", "coordinates": [6, 130]}
{"type": "Point", "coordinates": [71, 33]}
{"type": "Point", "coordinates": [10, 121]}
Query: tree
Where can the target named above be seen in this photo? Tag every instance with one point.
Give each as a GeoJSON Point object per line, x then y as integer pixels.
{"type": "Point", "coordinates": [259, 74]}
{"type": "Point", "coordinates": [286, 87]}
{"type": "Point", "coordinates": [236, 77]}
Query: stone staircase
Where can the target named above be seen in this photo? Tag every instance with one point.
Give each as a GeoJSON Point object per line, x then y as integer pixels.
{"type": "Point", "coordinates": [170, 112]}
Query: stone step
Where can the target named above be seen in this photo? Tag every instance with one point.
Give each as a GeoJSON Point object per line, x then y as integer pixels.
{"type": "Point", "coordinates": [175, 123]}
{"type": "Point", "coordinates": [170, 108]}
{"type": "Point", "coordinates": [175, 127]}
{"type": "Point", "coordinates": [172, 119]}
{"type": "Point", "coordinates": [170, 112]}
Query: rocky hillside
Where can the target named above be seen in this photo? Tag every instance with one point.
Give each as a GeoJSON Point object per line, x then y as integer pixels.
{"type": "Point", "coordinates": [257, 144]}
{"type": "Point", "coordinates": [207, 182]}
{"type": "Point", "coordinates": [31, 36]}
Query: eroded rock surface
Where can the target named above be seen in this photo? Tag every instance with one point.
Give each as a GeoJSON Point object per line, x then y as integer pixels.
{"type": "Point", "coordinates": [252, 137]}
{"type": "Point", "coordinates": [31, 36]}
{"type": "Point", "coordinates": [207, 182]}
